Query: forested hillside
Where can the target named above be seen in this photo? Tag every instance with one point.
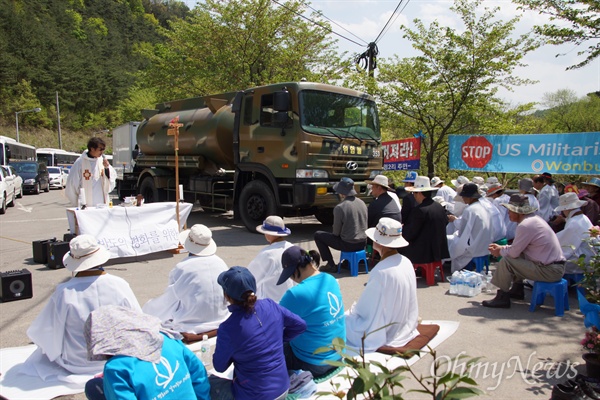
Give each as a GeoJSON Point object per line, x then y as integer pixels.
{"type": "Point", "coordinates": [84, 50]}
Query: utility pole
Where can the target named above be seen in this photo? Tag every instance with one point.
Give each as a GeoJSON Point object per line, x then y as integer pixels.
{"type": "Point", "coordinates": [58, 117]}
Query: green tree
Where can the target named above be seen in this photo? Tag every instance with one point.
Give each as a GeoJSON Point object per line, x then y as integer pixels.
{"type": "Point", "coordinates": [237, 44]}
{"type": "Point", "coordinates": [567, 113]}
{"type": "Point", "coordinates": [452, 83]}
{"type": "Point", "coordinates": [581, 15]}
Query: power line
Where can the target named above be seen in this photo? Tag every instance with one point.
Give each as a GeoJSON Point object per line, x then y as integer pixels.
{"type": "Point", "coordinates": [316, 23]}
{"type": "Point", "coordinates": [388, 22]}
{"type": "Point", "coordinates": [333, 22]}
{"type": "Point", "coordinates": [397, 15]}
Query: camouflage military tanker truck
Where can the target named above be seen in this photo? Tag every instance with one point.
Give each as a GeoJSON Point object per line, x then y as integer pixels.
{"type": "Point", "coordinates": [275, 149]}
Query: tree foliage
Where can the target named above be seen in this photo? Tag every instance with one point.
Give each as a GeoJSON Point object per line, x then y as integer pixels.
{"type": "Point", "coordinates": [583, 17]}
{"type": "Point", "coordinates": [568, 113]}
{"type": "Point", "coordinates": [451, 84]}
{"type": "Point", "coordinates": [237, 44]}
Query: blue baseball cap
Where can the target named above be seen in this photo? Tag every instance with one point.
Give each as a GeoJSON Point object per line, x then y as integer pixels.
{"type": "Point", "coordinates": [292, 258]}
{"type": "Point", "coordinates": [411, 176]}
{"type": "Point", "coordinates": [236, 281]}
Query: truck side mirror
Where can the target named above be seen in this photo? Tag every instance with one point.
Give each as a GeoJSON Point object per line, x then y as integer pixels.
{"type": "Point", "coordinates": [281, 101]}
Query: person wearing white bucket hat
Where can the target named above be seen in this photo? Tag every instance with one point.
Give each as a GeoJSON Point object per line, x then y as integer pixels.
{"type": "Point", "coordinates": [384, 204]}
{"type": "Point", "coordinates": [266, 266]}
{"type": "Point", "coordinates": [443, 190]}
{"type": "Point", "coordinates": [576, 229]}
{"type": "Point", "coordinates": [193, 303]}
{"type": "Point", "coordinates": [391, 287]}
{"type": "Point", "coordinates": [58, 329]}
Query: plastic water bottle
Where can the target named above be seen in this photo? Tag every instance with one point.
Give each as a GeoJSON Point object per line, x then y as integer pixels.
{"type": "Point", "coordinates": [488, 282]}
{"type": "Point", "coordinates": [205, 355]}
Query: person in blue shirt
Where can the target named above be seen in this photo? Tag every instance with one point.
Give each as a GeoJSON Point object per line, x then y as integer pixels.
{"type": "Point", "coordinates": [252, 339]}
{"type": "Point", "coordinates": [317, 299]}
{"type": "Point", "coordinates": [144, 362]}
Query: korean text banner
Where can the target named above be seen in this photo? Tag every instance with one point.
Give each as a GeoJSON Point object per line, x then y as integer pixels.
{"type": "Point", "coordinates": [404, 154]}
{"type": "Point", "coordinates": [560, 153]}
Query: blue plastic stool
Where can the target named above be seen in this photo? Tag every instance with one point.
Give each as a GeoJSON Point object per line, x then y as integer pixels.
{"type": "Point", "coordinates": [559, 290]}
{"type": "Point", "coordinates": [575, 278]}
{"type": "Point", "coordinates": [480, 262]}
{"type": "Point", "coordinates": [354, 257]}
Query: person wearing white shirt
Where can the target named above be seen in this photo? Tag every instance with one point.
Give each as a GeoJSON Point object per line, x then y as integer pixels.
{"type": "Point", "coordinates": [443, 190]}
{"type": "Point", "coordinates": [576, 229]}
{"type": "Point", "coordinates": [548, 195]}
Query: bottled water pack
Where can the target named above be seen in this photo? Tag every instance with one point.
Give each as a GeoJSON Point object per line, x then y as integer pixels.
{"type": "Point", "coordinates": [466, 283]}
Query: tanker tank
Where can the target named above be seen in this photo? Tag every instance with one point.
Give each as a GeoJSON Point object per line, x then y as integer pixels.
{"type": "Point", "coordinates": [203, 133]}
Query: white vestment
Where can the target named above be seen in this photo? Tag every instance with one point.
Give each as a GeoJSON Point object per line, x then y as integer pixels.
{"type": "Point", "coordinates": [473, 237]}
{"type": "Point", "coordinates": [498, 221]}
{"type": "Point", "coordinates": [266, 268]}
{"type": "Point", "coordinates": [193, 301]}
{"type": "Point", "coordinates": [88, 173]}
{"type": "Point", "coordinates": [548, 201]}
{"type": "Point", "coordinates": [533, 201]}
{"type": "Point", "coordinates": [390, 297]}
{"type": "Point", "coordinates": [572, 243]}
{"type": "Point", "coordinates": [58, 330]}
{"type": "Point", "coordinates": [447, 193]}
{"type": "Point", "coordinates": [511, 226]}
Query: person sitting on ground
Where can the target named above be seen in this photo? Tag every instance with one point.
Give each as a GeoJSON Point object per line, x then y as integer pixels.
{"type": "Point", "coordinates": [475, 232]}
{"type": "Point", "coordinates": [383, 205]}
{"type": "Point", "coordinates": [535, 254]}
{"type": "Point", "coordinates": [426, 230]}
{"type": "Point", "coordinates": [443, 190]}
{"type": "Point", "coordinates": [317, 299]}
{"type": "Point", "coordinates": [252, 339]}
{"type": "Point", "coordinates": [576, 229]}
{"type": "Point", "coordinates": [58, 329]}
{"type": "Point", "coordinates": [266, 266]}
{"type": "Point", "coordinates": [349, 225]}
{"type": "Point", "coordinates": [192, 303]}
{"type": "Point", "coordinates": [390, 296]}
{"type": "Point", "coordinates": [142, 360]}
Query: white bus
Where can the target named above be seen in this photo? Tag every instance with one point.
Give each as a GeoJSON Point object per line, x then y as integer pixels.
{"type": "Point", "coordinates": [11, 150]}
{"type": "Point", "coordinates": [56, 157]}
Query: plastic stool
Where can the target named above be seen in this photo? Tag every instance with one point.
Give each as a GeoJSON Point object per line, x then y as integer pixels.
{"type": "Point", "coordinates": [354, 257]}
{"type": "Point", "coordinates": [429, 271]}
{"type": "Point", "coordinates": [575, 278]}
{"type": "Point", "coordinates": [480, 262]}
{"type": "Point", "coordinates": [558, 290]}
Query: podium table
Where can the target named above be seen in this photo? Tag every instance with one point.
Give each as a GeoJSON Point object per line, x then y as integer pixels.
{"type": "Point", "coordinates": [131, 231]}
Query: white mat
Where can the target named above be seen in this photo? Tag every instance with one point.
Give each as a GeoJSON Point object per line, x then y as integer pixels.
{"type": "Point", "coordinates": [17, 386]}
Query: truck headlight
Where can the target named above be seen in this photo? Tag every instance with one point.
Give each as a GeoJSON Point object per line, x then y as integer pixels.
{"type": "Point", "coordinates": [311, 173]}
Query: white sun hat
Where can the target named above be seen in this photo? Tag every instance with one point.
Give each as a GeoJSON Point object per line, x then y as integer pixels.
{"type": "Point", "coordinates": [388, 233]}
{"type": "Point", "coordinates": [436, 180]}
{"type": "Point", "coordinates": [380, 180]}
{"type": "Point", "coordinates": [85, 253]}
{"type": "Point", "coordinates": [421, 185]}
{"type": "Point", "coordinates": [569, 201]}
{"type": "Point", "coordinates": [198, 240]}
{"type": "Point", "coordinates": [273, 226]}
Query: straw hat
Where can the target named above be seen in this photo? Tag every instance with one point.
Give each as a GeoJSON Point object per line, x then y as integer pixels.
{"type": "Point", "coordinates": [198, 240]}
{"type": "Point", "coordinates": [421, 185]}
{"type": "Point", "coordinates": [380, 180]}
{"type": "Point", "coordinates": [519, 203]}
{"type": "Point", "coordinates": [569, 201]}
{"type": "Point", "coordinates": [85, 253]}
{"type": "Point", "coordinates": [388, 233]}
{"type": "Point", "coordinates": [436, 181]}
{"type": "Point", "coordinates": [273, 226]}
{"type": "Point", "coordinates": [236, 281]}
{"type": "Point", "coordinates": [461, 180]}
{"type": "Point", "coordinates": [345, 186]}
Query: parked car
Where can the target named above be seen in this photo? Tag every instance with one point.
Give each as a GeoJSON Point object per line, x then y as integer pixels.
{"type": "Point", "coordinates": [35, 175]}
{"type": "Point", "coordinates": [7, 192]}
{"type": "Point", "coordinates": [17, 180]}
{"type": "Point", "coordinates": [58, 178]}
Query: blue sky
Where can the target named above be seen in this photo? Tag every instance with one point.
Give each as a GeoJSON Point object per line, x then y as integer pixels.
{"type": "Point", "coordinates": [366, 18]}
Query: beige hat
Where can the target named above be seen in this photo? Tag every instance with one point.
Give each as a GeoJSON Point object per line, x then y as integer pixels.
{"type": "Point", "coordinates": [478, 180]}
{"type": "Point", "coordinates": [519, 203]}
{"type": "Point", "coordinates": [492, 180]}
{"type": "Point", "coordinates": [198, 240]}
{"type": "Point", "coordinates": [380, 180]}
{"type": "Point", "coordinates": [421, 185]}
{"type": "Point", "coordinates": [273, 226]}
{"type": "Point", "coordinates": [461, 180]}
{"type": "Point", "coordinates": [85, 253]}
{"type": "Point", "coordinates": [494, 188]}
{"type": "Point", "coordinates": [436, 181]}
{"type": "Point", "coordinates": [569, 201]}
{"type": "Point", "coordinates": [388, 233]}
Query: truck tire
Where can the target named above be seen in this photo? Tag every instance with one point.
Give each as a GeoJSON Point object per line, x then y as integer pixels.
{"type": "Point", "coordinates": [324, 216]}
{"type": "Point", "coordinates": [150, 192]}
{"type": "Point", "coordinates": [257, 202]}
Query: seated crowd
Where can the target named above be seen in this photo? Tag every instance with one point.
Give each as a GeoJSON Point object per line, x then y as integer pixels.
{"type": "Point", "coordinates": [271, 317]}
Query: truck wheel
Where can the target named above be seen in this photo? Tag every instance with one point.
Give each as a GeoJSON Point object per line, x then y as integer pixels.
{"type": "Point", "coordinates": [150, 192]}
{"type": "Point", "coordinates": [257, 202]}
{"type": "Point", "coordinates": [324, 216]}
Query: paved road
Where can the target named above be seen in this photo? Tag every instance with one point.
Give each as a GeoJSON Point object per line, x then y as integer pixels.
{"type": "Point", "coordinates": [523, 353]}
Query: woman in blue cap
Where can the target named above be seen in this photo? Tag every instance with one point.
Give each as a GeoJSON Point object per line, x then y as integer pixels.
{"type": "Point", "coordinates": [252, 340]}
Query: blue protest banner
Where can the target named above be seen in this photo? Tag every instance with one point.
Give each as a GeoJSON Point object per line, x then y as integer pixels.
{"type": "Point", "coordinates": [560, 153]}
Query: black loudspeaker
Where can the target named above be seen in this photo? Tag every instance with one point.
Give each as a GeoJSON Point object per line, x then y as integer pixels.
{"type": "Point", "coordinates": [40, 250]}
{"type": "Point", "coordinates": [68, 236]}
{"type": "Point", "coordinates": [15, 285]}
{"type": "Point", "coordinates": [56, 252]}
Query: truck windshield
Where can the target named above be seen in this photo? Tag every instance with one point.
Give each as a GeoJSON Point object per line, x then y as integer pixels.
{"type": "Point", "coordinates": [339, 115]}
